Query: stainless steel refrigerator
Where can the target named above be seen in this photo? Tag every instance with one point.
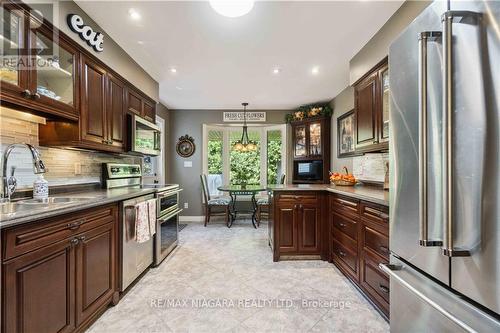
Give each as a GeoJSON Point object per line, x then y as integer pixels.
{"type": "Point", "coordinates": [445, 170]}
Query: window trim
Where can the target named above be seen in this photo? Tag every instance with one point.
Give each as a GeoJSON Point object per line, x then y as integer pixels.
{"type": "Point", "coordinates": [263, 129]}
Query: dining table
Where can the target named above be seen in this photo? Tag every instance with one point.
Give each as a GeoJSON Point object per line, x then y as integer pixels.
{"type": "Point", "coordinates": [240, 190]}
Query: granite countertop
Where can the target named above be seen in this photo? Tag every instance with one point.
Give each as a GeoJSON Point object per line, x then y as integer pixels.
{"type": "Point", "coordinates": [95, 198]}
{"type": "Point", "coordinates": [364, 192]}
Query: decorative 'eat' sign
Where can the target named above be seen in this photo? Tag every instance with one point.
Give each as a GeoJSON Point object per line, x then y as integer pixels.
{"type": "Point", "coordinates": [93, 39]}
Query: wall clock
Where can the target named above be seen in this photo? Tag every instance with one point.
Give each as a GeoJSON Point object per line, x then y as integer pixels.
{"type": "Point", "coordinates": [185, 146]}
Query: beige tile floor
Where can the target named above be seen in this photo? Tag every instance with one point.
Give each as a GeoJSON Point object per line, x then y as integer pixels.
{"type": "Point", "coordinates": [221, 279]}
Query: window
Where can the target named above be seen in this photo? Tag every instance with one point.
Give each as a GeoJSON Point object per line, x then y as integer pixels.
{"type": "Point", "coordinates": [244, 167]}
{"type": "Point", "coordinates": [225, 166]}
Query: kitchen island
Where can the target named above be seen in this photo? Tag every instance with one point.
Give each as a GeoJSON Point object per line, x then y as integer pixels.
{"type": "Point", "coordinates": [348, 226]}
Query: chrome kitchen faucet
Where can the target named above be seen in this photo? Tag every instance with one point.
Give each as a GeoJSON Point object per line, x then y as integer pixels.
{"type": "Point", "coordinates": [10, 183]}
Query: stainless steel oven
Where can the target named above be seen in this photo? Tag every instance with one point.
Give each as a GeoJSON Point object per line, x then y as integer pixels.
{"type": "Point", "coordinates": [144, 136]}
{"type": "Point", "coordinates": [166, 238]}
{"type": "Point", "coordinates": [168, 201]}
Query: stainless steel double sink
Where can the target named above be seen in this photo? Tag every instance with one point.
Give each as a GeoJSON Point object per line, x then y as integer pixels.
{"type": "Point", "coordinates": [11, 207]}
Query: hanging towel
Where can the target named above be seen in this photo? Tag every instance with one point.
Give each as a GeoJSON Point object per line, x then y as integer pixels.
{"type": "Point", "coordinates": [142, 223]}
{"type": "Point", "coordinates": [152, 216]}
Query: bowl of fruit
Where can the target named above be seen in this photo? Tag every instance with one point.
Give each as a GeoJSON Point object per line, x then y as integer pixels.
{"type": "Point", "coordinates": [342, 179]}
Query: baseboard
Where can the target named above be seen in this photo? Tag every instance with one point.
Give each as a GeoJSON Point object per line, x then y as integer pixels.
{"type": "Point", "coordinates": [193, 219]}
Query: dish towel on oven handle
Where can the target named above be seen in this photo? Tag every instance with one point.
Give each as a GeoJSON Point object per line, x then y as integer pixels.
{"type": "Point", "coordinates": [152, 216]}
{"type": "Point", "coordinates": [145, 220]}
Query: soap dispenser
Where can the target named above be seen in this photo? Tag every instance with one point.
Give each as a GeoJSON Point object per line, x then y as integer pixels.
{"type": "Point", "coordinates": [40, 187]}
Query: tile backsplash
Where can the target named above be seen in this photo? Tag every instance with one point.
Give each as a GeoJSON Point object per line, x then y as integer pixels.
{"type": "Point", "coordinates": [64, 166]}
{"type": "Point", "coordinates": [370, 167]}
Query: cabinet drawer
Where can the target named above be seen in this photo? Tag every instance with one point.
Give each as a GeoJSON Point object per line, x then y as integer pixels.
{"type": "Point", "coordinates": [345, 205]}
{"type": "Point", "coordinates": [376, 241]}
{"type": "Point", "coordinates": [347, 257]}
{"type": "Point", "coordinates": [31, 236]}
{"type": "Point", "coordinates": [345, 225]}
{"type": "Point", "coordinates": [345, 240]}
{"type": "Point", "coordinates": [375, 213]}
{"type": "Point", "coordinates": [376, 284]}
{"type": "Point", "coordinates": [299, 198]}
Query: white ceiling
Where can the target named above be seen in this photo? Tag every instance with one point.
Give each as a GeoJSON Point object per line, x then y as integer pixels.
{"type": "Point", "coordinates": [222, 62]}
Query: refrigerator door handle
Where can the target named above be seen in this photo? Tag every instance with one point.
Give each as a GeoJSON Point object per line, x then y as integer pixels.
{"type": "Point", "coordinates": [447, 19]}
{"type": "Point", "coordinates": [391, 270]}
{"type": "Point", "coordinates": [423, 38]}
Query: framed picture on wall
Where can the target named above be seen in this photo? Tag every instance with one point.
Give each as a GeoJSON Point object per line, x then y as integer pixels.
{"type": "Point", "coordinates": [345, 135]}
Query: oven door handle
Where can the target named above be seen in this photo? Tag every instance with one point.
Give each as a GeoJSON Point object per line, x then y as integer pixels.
{"type": "Point", "coordinates": [166, 194]}
{"type": "Point", "coordinates": [169, 215]}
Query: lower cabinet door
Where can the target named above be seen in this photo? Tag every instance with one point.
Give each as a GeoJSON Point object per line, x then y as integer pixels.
{"type": "Point", "coordinates": [287, 228]}
{"type": "Point", "coordinates": [95, 270]}
{"type": "Point", "coordinates": [39, 290]}
{"type": "Point", "coordinates": [309, 229]}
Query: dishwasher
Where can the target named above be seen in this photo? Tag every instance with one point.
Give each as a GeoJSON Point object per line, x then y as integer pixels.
{"type": "Point", "coordinates": [135, 257]}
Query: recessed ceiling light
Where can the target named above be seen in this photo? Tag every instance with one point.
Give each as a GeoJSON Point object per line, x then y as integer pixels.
{"type": "Point", "coordinates": [276, 70]}
{"type": "Point", "coordinates": [140, 42]}
{"type": "Point", "coordinates": [134, 14]}
{"type": "Point", "coordinates": [173, 70]}
{"type": "Point", "coordinates": [232, 8]}
{"type": "Point", "coordinates": [315, 70]}
{"type": "Point", "coordinates": [178, 88]}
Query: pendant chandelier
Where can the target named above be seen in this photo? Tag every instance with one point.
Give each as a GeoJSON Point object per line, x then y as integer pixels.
{"type": "Point", "coordinates": [245, 144]}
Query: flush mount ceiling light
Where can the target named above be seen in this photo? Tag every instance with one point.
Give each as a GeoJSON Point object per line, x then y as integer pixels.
{"type": "Point", "coordinates": [315, 70]}
{"type": "Point", "coordinates": [235, 8]}
{"type": "Point", "coordinates": [173, 70]}
{"type": "Point", "coordinates": [276, 70]}
{"type": "Point", "coordinates": [134, 14]}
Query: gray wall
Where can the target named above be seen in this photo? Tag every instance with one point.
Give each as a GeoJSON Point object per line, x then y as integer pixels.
{"type": "Point", "coordinates": [371, 54]}
{"type": "Point", "coordinates": [341, 104]}
{"type": "Point", "coordinates": [190, 122]}
{"type": "Point", "coordinates": [113, 55]}
{"type": "Point", "coordinates": [378, 46]}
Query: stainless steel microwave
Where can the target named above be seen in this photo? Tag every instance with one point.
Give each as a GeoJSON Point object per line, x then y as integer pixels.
{"type": "Point", "coordinates": [144, 136]}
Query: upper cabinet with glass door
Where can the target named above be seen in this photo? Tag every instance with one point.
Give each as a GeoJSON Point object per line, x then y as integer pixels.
{"type": "Point", "coordinates": [315, 148]}
{"type": "Point", "coordinates": [299, 141]}
{"type": "Point", "coordinates": [13, 69]}
{"type": "Point", "coordinates": [38, 68]}
{"type": "Point", "coordinates": [54, 71]}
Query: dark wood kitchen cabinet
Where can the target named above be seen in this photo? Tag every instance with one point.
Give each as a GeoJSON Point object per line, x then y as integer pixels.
{"type": "Point", "coordinates": [39, 290]}
{"type": "Point", "coordinates": [359, 240]}
{"type": "Point", "coordinates": [95, 270]}
{"type": "Point", "coordinates": [38, 73]}
{"type": "Point", "coordinates": [93, 113]}
{"type": "Point", "coordinates": [102, 113]}
{"type": "Point", "coordinates": [371, 110]}
{"type": "Point", "coordinates": [311, 143]}
{"type": "Point", "coordinates": [296, 222]}
{"type": "Point", "coordinates": [140, 105]}
{"type": "Point", "coordinates": [59, 274]}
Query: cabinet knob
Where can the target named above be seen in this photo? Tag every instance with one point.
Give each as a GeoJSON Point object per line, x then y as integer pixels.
{"type": "Point", "coordinates": [35, 95]}
{"type": "Point", "coordinates": [74, 241]}
{"type": "Point", "coordinates": [26, 93]}
{"type": "Point", "coordinates": [81, 238]}
{"type": "Point", "coordinates": [342, 253]}
{"type": "Point", "coordinates": [342, 225]}
{"type": "Point", "coordinates": [384, 249]}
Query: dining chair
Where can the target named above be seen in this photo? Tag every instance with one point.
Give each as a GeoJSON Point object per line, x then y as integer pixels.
{"type": "Point", "coordinates": [263, 204]}
{"type": "Point", "coordinates": [215, 206]}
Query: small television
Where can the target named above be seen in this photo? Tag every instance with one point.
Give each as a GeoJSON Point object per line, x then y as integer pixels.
{"type": "Point", "coordinates": [309, 171]}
